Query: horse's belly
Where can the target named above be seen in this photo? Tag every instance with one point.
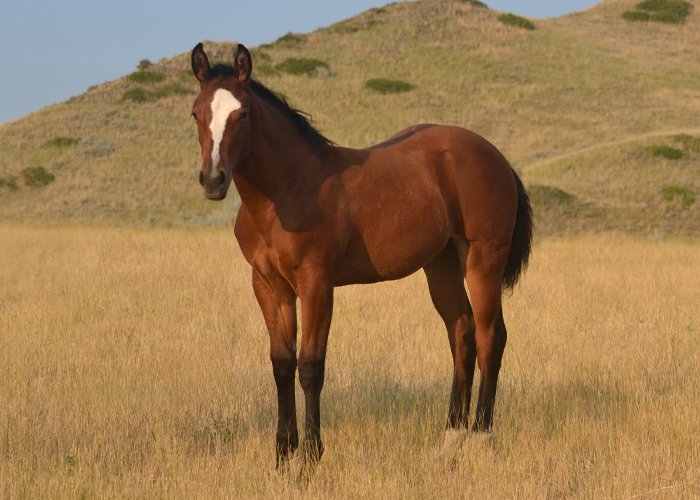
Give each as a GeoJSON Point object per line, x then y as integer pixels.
{"type": "Point", "coordinates": [395, 253]}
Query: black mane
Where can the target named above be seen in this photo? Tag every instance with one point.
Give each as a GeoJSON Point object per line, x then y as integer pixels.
{"type": "Point", "coordinates": [300, 119]}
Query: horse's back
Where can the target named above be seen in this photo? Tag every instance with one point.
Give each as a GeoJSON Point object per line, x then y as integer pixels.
{"type": "Point", "coordinates": [414, 192]}
{"type": "Point", "coordinates": [474, 180]}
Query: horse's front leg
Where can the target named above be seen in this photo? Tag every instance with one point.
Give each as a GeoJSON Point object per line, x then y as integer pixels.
{"type": "Point", "coordinates": [278, 305]}
{"type": "Point", "coordinates": [316, 312]}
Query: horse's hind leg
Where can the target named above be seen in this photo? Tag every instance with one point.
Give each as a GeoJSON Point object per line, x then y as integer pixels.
{"type": "Point", "coordinates": [445, 276]}
{"type": "Point", "coordinates": [485, 265]}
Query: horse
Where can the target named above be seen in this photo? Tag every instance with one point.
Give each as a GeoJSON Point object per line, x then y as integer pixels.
{"type": "Point", "coordinates": [315, 216]}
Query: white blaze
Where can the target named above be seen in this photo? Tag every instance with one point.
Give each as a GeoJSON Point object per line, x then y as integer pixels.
{"type": "Point", "coordinates": [222, 106]}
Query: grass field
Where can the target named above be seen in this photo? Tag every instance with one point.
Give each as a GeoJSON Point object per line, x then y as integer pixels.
{"type": "Point", "coordinates": [121, 376]}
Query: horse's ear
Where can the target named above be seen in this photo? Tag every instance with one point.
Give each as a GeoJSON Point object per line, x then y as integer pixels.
{"type": "Point", "coordinates": [243, 64]}
{"type": "Point", "coordinates": [200, 62]}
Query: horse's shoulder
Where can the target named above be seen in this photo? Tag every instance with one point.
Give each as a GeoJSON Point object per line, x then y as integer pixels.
{"type": "Point", "coordinates": [249, 239]}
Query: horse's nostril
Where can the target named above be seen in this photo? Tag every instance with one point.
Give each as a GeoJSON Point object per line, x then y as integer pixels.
{"type": "Point", "coordinates": [222, 177]}
{"type": "Point", "coordinates": [201, 178]}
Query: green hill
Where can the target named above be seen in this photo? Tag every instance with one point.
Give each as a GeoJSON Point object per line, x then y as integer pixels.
{"type": "Point", "coordinates": [575, 103]}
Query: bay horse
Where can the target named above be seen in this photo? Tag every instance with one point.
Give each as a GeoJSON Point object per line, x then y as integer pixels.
{"type": "Point", "coordinates": [315, 216]}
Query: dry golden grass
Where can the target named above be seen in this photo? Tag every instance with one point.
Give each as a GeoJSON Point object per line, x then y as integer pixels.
{"type": "Point", "coordinates": [133, 364]}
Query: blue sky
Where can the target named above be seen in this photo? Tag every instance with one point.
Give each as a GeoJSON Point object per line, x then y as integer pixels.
{"type": "Point", "coordinates": [54, 50]}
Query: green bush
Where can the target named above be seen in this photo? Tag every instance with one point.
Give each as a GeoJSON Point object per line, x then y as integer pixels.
{"type": "Point", "coordinates": [689, 142]}
{"type": "Point", "coordinates": [290, 39]}
{"type": "Point", "coordinates": [170, 89]}
{"type": "Point", "coordinates": [666, 152]}
{"type": "Point", "coordinates": [667, 17]}
{"type": "Point", "coordinates": [517, 21]}
{"type": "Point", "coordinates": [260, 57]}
{"type": "Point", "coordinates": [37, 176]}
{"type": "Point", "coordinates": [475, 3]}
{"type": "Point", "coordinates": [143, 76]}
{"type": "Point", "coordinates": [303, 66]}
{"type": "Point", "coordinates": [144, 64]}
{"type": "Point", "coordinates": [662, 11]}
{"type": "Point", "coordinates": [266, 70]}
{"type": "Point", "coordinates": [137, 95]}
{"type": "Point", "coordinates": [386, 86]}
{"type": "Point", "coordinates": [60, 142]}
{"type": "Point", "coordinates": [636, 15]}
{"type": "Point", "coordinates": [186, 75]}
{"type": "Point", "coordinates": [676, 6]}
{"type": "Point", "coordinates": [550, 198]}
{"type": "Point", "coordinates": [684, 196]}
{"type": "Point", "coordinates": [10, 182]}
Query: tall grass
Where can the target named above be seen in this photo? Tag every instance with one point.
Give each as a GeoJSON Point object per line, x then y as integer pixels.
{"type": "Point", "coordinates": [121, 375]}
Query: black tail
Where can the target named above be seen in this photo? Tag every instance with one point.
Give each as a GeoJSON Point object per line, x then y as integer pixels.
{"type": "Point", "coordinates": [520, 247]}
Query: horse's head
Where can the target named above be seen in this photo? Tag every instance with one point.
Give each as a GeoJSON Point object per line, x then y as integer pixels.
{"type": "Point", "coordinates": [221, 111]}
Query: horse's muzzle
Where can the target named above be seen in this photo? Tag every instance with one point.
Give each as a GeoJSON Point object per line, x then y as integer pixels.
{"type": "Point", "coordinates": [215, 188]}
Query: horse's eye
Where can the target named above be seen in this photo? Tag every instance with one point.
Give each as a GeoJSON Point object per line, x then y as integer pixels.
{"type": "Point", "coordinates": [244, 116]}
{"type": "Point", "coordinates": [194, 115]}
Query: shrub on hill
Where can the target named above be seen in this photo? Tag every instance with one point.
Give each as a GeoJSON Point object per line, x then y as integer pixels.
{"type": "Point", "coordinates": [636, 15]}
{"type": "Point", "coordinates": [10, 182]}
{"type": "Point", "coordinates": [682, 195]}
{"type": "Point", "coordinates": [60, 142]}
{"type": "Point", "coordinates": [140, 94]}
{"type": "Point", "coordinates": [662, 11]}
{"type": "Point", "coordinates": [143, 76]}
{"type": "Point", "coordinates": [303, 66]}
{"type": "Point", "coordinates": [37, 176]}
{"type": "Point", "coordinates": [185, 75]}
{"type": "Point", "coordinates": [386, 86]}
{"type": "Point", "coordinates": [665, 152]}
{"type": "Point", "coordinates": [288, 39]}
{"type": "Point", "coordinates": [517, 21]}
{"type": "Point", "coordinates": [689, 142]}
{"type": "Point", "coordinates": [549, 198]}
{"type": "Point", "coordinates": [266, 70]}
{"type": "Point", "coordinates": [171, 89]}
{"type": "Point", "coordinates": [678, 7]}
{"type": "Point", "coordinates": [475, 3]}
{"type": "Point", "coordinates": [137, 95]}
{"type": "Point", "coordinates": [144, 64]}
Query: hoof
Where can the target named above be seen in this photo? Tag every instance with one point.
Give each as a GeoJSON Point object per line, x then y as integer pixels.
{"type": "Point", "coordinates": [454, 438]}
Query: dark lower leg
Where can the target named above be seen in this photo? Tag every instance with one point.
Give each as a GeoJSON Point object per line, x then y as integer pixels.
{"type": "Point", "coordinates": [490, 356]}
{"type": "Point", "coordinates": [311, 376]}
{"type": "Point", "coordinates": [464, 362]}
{"type": "Point", "coordinates": [287, 434]}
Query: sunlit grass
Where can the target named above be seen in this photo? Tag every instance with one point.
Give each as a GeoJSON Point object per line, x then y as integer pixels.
{"type": "Point", "coordinates": [121, 375]}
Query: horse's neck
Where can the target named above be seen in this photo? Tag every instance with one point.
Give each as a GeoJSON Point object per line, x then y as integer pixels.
{"type": "Point", "coordinates": [280, 157]}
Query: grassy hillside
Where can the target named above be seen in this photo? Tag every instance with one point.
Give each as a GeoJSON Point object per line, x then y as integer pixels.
{"type": "Point", "coordinates": [573, 104]}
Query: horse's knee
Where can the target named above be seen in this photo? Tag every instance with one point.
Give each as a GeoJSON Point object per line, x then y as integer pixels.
{"type": "Point", "coordinates": [283, 369]}
{"type": "Point", "coordinates": [311, 374]}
